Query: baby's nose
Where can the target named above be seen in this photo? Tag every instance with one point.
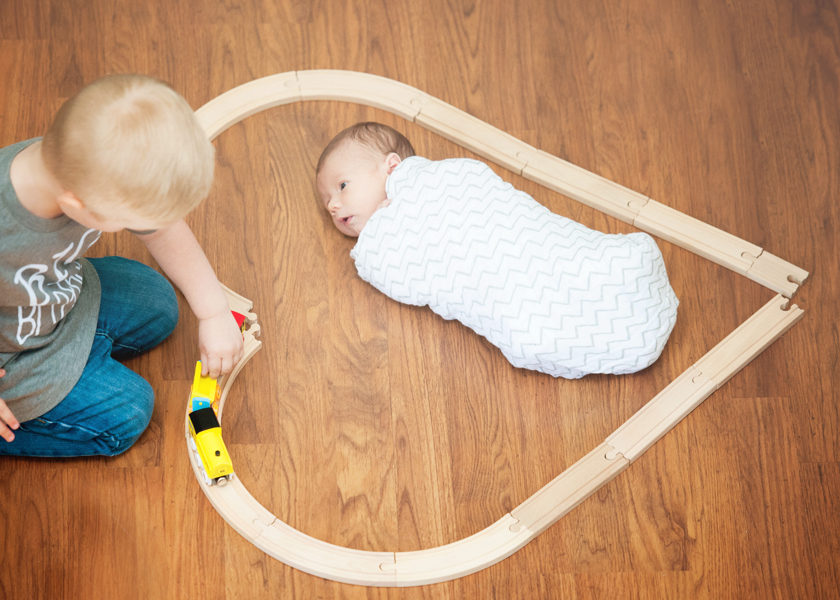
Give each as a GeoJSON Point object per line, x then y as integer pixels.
{"type": "Point", "coordinates": [333, 204]}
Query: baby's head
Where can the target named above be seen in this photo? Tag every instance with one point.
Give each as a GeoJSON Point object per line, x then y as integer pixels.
{"type": "Point", "coordinates": [128, 151]}
{"type": "Point", "coordinates": [352, 170]}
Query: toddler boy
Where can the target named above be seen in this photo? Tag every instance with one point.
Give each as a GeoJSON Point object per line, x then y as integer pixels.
{"type": "Point", "coordinates": [126, 152]}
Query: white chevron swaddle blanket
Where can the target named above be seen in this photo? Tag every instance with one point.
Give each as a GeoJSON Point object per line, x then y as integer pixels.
{"type": "Point", "coordinates": [550, 293]}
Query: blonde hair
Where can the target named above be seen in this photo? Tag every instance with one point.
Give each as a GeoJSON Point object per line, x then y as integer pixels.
{"type": "Point", "coordinates": [131, 143]}
{"type": "Point", "coordinates": [378, 138]}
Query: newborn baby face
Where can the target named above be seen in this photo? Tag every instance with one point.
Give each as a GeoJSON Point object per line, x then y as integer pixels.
{"type": "Point", "coordinates": [352, 185]}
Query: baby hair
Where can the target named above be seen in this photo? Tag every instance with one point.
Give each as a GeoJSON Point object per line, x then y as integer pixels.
{"type": "Point", "coordinates": [130, 143]}
{"type": "Point", "coordinates": [381, 139]}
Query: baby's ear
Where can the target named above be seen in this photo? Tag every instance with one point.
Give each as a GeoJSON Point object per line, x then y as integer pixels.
{"type": "Point", "coordinates": [392, 160]}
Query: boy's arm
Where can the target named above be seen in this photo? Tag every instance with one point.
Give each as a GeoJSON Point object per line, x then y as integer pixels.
{"type": "Point", "coordinates": [180, 256]}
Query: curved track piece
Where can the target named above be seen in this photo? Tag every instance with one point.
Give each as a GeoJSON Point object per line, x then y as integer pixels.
{"type": "Point", "coordinates": [515, 529]}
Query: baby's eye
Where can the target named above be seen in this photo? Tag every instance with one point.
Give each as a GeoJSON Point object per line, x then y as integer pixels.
{"type": "Point", "coordinates": [342, 185]}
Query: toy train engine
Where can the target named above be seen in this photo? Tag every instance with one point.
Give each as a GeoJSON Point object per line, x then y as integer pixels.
{"type": "Point", "coordinates": [207, 439]}
{"type": "Point", "coordinates": [206, 432]}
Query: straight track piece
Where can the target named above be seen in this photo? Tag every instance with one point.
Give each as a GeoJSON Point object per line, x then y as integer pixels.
{"type": "Point", "coordinates": [319, 558]}
{"type": "Point", "coordinates": [472, 554]}
{"type": "Point", "coordinates": [574, 485]}
{"type": "Point", "coordinates": [362, 88]}
{"type": "Point", "coordinates": [468, 131]}
{"type": "Point", "coordinates": [582, 185]}
{"type": "Point", "coordinates": [777, 274]}
{"type": "Point", "coordinates": [749, 340]}
{"type": "Point", "coordinates": [661, 414]}
{"type": "Point", "coordinates": [246, 100]}
{"type": "Point", "coordinates": [698, 237]}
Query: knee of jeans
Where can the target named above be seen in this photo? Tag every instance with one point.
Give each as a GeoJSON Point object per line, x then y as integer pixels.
{"type": "Point", "coordinates": [156, 286]}
{"type": "Point", "coordinates": [137, 414]}
{"type": "Point", "coordinates": [164, 318]}
{"type": "Point", "coordinates": [167, 305]}
{"type": "Point", "coordinates": [169, 308]}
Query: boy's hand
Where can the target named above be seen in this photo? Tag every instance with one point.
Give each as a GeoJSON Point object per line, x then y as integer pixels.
{"type": "Point", "coordinates": [220, 344]}
{"type": "Point", "coordinates": [177, 252]}
{"type": "Point", "coordinates": [7, 419]}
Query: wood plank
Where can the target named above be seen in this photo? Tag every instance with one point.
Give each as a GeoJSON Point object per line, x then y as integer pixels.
{"type": "Point", "coordinates": [821, 492]}
{"type": "Point", "coordinates": [746, 457]}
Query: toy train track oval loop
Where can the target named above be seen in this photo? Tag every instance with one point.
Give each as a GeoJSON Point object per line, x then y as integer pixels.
{"type": "Point", "coordinates": [515, 529]}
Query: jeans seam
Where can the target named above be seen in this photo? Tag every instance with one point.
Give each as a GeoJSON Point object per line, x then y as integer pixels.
{"type": "Point", "coordinates": [110, 439]}
{"type": "Point", "coordinates": [107, 335]}
{"type": "Point", "coordinates": [132, 348]}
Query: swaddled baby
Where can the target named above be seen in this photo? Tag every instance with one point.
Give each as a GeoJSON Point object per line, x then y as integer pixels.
{"type": "Point", "coordinates": [551, 294]}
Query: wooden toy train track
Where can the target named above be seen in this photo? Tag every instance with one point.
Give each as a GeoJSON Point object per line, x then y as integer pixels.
{"type": "Point", "coordinates": [603, 463]}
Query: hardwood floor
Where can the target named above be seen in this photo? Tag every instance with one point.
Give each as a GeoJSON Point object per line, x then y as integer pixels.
{"type": "Point", "coordinates": [380, 426]}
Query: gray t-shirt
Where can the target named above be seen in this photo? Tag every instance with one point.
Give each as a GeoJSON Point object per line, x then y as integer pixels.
{"type": "Point", "coordinates": [49, 301]}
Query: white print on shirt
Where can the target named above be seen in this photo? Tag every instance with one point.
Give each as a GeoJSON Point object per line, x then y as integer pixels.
{"type": "Point", "coordinates": [58, 294]}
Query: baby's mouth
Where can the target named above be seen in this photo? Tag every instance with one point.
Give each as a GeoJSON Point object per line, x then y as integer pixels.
{"type": "Point", "coordinates": [346, 220]}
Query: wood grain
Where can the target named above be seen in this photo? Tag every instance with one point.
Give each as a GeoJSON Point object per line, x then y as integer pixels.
{"type": "Point", "coordinates": [381, 427]}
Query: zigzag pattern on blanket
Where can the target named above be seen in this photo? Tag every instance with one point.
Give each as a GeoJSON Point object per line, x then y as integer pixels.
{"type": "Point", "coordinates": [552, 294]}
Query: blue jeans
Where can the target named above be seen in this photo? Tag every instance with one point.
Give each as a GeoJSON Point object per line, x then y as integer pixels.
{"type": "Point", "coordinates": [110, 405]}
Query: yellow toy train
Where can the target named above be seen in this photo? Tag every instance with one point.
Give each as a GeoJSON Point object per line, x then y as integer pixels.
{"type": "Point", "coordinates": [205, 430]}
